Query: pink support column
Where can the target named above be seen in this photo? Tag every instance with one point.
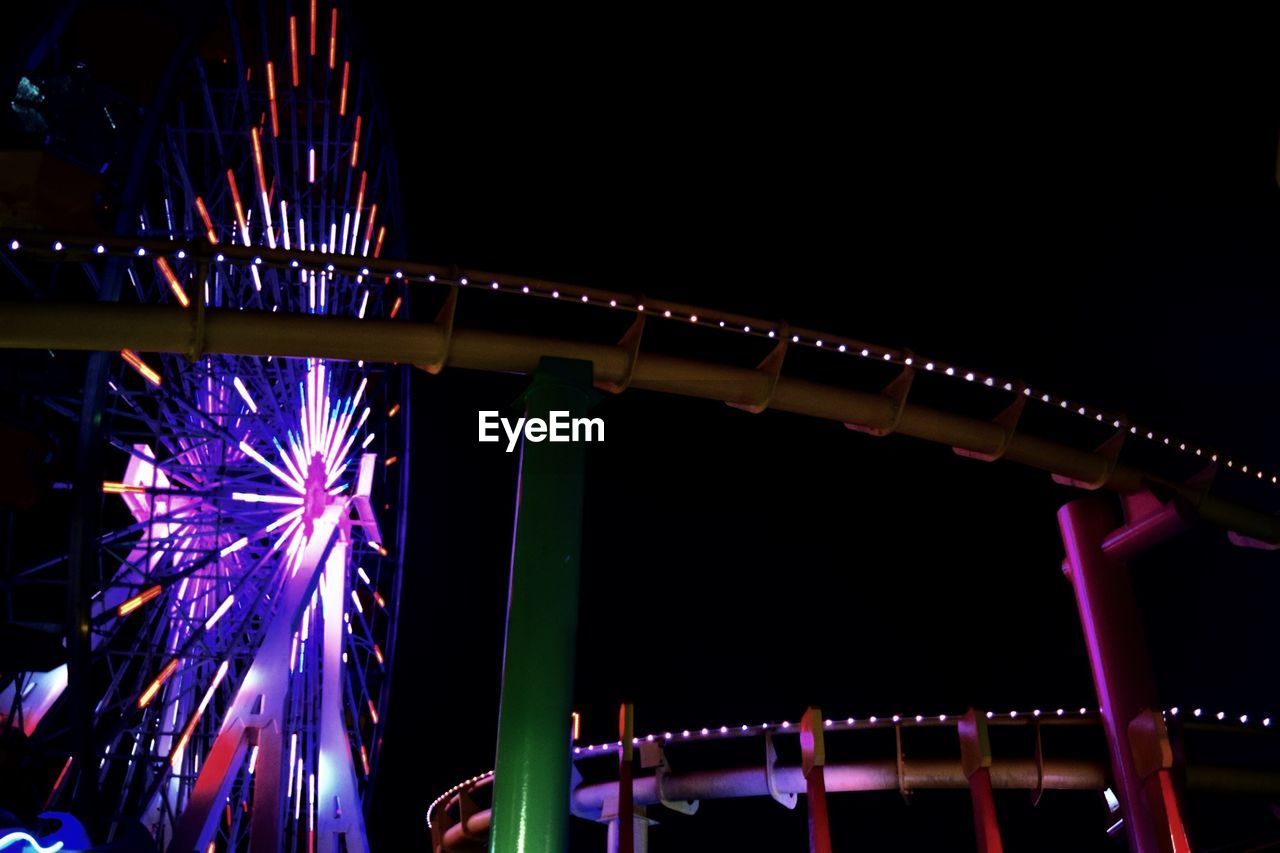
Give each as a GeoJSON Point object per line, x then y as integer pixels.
{"type": "Point", "coordinates": [1122, 673]}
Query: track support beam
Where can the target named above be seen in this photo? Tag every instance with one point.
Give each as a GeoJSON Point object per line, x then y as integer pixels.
{"type": "Point", "coordinates": [160, 328]}
{"type": "Point", "coordinates": [1122, 673]}
{"type": "Point", "coordinates": [531, 784]}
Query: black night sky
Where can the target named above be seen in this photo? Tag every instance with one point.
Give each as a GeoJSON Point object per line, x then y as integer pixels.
{"type": "Point", "coordinates": [1037, 207]}
{"type": "Point", "coordinates": [1106, 228]}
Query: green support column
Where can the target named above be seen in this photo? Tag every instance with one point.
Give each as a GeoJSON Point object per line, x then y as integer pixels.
{"type": "Point", "coordinates": [531, 786]}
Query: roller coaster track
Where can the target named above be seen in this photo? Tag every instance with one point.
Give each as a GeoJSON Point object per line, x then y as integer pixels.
{"type": "Point", "coordinates": [459, 822]}
{"type": "Point", "coordinates": [890, 408]}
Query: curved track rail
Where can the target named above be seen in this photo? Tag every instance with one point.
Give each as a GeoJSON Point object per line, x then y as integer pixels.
{"type": "Point", "coordinates": [626, 364]}
{"type": "Point", "coordinates": [459, 823]}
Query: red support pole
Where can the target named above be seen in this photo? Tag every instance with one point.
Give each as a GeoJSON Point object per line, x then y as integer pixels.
{"type": "Point", "coordinates": [819, 828]}
{"type": "Point", "coordinates": [975, 759]}
{"type": "Point", "coordinates": [1122, 673]}
{"type": "Point", "coordinates": [984, 812]}
{"type": "Point", "coordinates": [813, 757]}
{"type": "Point", "coordinates": [626, 765]}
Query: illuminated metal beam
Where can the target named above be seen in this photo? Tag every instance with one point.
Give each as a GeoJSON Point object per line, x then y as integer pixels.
{"type": "Point", "coordinates": [257, 716]}
{"type": "Point", "coordinates": [1122, 673]}
{"type": "Point", "coordinates": [339, 816]}
{"type": "Point", "coordinates": [157, 328]}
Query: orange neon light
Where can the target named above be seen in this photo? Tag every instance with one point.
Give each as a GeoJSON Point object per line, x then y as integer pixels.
{"type": "Point", "coordinates": [395, 309]}
{"type": "Point", "coordinates": [110, 488]}
{"type": "Point", "coordinates": [271, 96]}
{"type": "Point", "coordinates": [373, 712]}
{"type": "Point", "coordinates": [382, 602]}
{"type": "Point", "coordinates": [364, 759]}
{"type": "Point", "coordinates": [208, 223]}
{"type": "Point", "coordinates": [377, 653]}
{"type": "Point", "coordinates": [140, 366]}
{"type": "Point", "coordinates": [174, 284]}
{"type": "Point", "coordinates": [257, 158]}
{"type": "Point", "coordinates": [154, 687]}
{"type": "Point", "coordinates": [138, 600]}
{"type": "Point", "coordinates": [391, 413]}
{"type": "Point", "coordinates": [333, 38]}
{"type": "Point", "coordinates": [355, 143]}
{"type": "Point", "coordinates": [382, 232]}
{"type": "Point", "coordinates": [364, 177]}
{"type": "Point", "coordinates": [368, 232]}
{"type": "Point", "coordinates": [391, 460]}
{"type": "Point", "coordinates": [293, 46]}
{"type": "Point", "coordinates": [577, 725]}
{"type": "Point", "coordinates": [235, 199]}
{"type": "Point", "coordinates": [195, 718]}
{"type": "Point", "coordinates": [313, 27]}
{"type": "Point", "coordinates": [346, 76]}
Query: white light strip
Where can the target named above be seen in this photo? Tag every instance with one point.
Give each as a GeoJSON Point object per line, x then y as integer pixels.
{"type": "Point", "coordinates": [244, 394]}
{"type": "Point", "coordinates": [253, 498]}
{"type": "Point", "coordinates": [222, 609]}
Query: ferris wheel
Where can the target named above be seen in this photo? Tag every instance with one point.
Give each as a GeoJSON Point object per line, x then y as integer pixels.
{"type": "Point", "coordinates": [243, 593]}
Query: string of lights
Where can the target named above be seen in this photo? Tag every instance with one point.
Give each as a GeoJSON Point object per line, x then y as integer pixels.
{"type": "Point", "coordinates": [369, 269]}
{"type": "Point", "coordinates": [1054, 716]}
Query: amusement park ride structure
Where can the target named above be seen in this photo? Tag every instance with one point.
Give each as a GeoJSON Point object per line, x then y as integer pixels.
{"type": "Point", "coordinates": [1140, 763]}
{"type": "Point", "coordinates": [230, 646]}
